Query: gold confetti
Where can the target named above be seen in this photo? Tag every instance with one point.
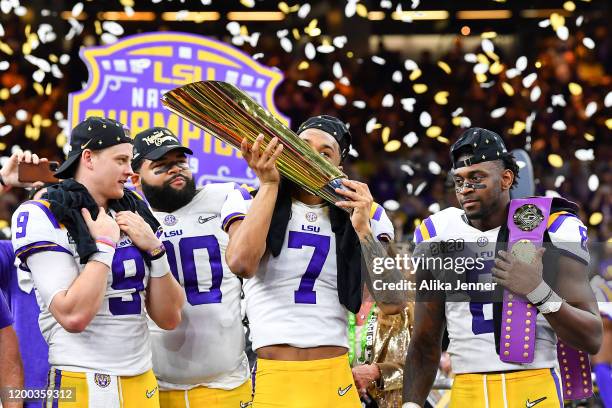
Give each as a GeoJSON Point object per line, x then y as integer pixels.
{"type": "Point", "coordinates": [433, 131]}
{"type": "Point", "coordinates": [492, 55]}
{"type": "Point", "coordinates": [419, 88]}
{"type": "Point", "coordinates": [392, 146]}
{"type": "Point", "coordinates": [282, 6]}
{"type": "Point", "coordinates": [38, 88]}
{"type": "Point", "coordinates": [481, 58]}
{"type": "Point", "coordinates": [441, 98]}
{"type": "Point", "coordinates": [4, 94]}
{"type": "Point", "coordinates": [444, 66]}
{"type": "Point", "coordinates": [481, 78]}
{"type": "Point", "coordinates": [538, 64]}
{"type": "Point", "coordinates": [609, 123]}
{"type": "Point", "coordinates": [596, 218]}
{"type": "Point", "coordinates": [575, 89]}
{"type": "Point", "coordinates": [362, 10]}
{"type": "Point", "coordinates": [53, 58]}
{"type": "Point", "coordinates": [248, 3]}
{"type": "Point", "coordinates": [496, 68]}
{"type": "Point", "coordinates": [415, 74]}
{"type": "Point", "coordinates": [2, 146]}
{"type": "Point", "coordinates": [312, 29]}
{"type": "Point", "coordinates": [569, 6]}
{"type": "Point", "coordinates": [589, 137]}
{"type": "Point", "coordinates": [303, 65]}
{"type": "Point", "coordinates": [349, 54]}
{"type": "Point", "coordinates": [98, 27]}
{"type": "Point", "coordinates": [488, 34]}
{"type": "Point", "coordinates": [508, 88]}
{"type": "Point", "coordinates": [417, 222]}
{"type": "Point", "coordinates": [61, 140]}
{"type": "Point", "coordinates": [127, 3]}
{"type": "Point", "coordinates": [46, 122]}
{"type": "Point", "coordinates": [244, 31]}
{"type": "Point", "coordinates": [517, 128]}
{"type": "Point", "coordinates": [4, 47]}
{"type": "Point", "coordinates": [296, 33]}
{"type": "Point", "coordinates": [386, 132]}
{"type": "Point", "coordinates": [442, 139]}
{"type": "Point", "coordinates": [48, 89]}
{"type": "Point", "coordinates": [457, 120]}
{"type": "Point", "coordinates": [556, 21]}
{"type": "Point", "coordinates": [555, 160]}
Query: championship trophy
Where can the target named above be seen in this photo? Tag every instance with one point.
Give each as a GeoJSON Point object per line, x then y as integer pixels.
{"type": "Point", "coordinates": [230, 115]}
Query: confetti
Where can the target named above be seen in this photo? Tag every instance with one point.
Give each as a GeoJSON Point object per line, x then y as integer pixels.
{"type": "Point", "coordinates": [559, 180]}
{"type": "Point", "coordinates": [248, 3]}
{"type": "Point", "coordinates": [551, 193]}
{"type": "Point", "coordinates": [425, 119]}
{"type": "Point", "coordinates": [350, 8]}
{"type": "Point", "coordinates": [410, 139]}
{"type": "Point", "coordinates": [555, 160]}
{"type": "Point", "coordinates": [419, 88]}
{"type": "Point", "coordinates": [569, 6]}
{"type": "Point", "coordinates": [608, 100]}
{"type": "Point", "coordinates": [487, 45]}
{"type": "Point", "coordinates": [353, 152]}
{"type": "Point", "coordinates": [387, 101]}
{"type": "Point", "coordinates": [441, 98]}
{"type": "Point", "coordinates": [558, 100]}
{"type": "Point", "coordinates": [337, 70]}
{"type": "Point", "coordinates": [480, 68]}
{"type": "Point", "coordinates": [303, 11]}
{"type": "Point", "coordinates": [596, 218]}
{"type": "Point", "coordinates": [415, 74]}
{"type": "Point", "coordinates": [359, 104]}
{"type": "Point", "coordinates": [113, 27]}
{"type": "Point", "coordinates": [5, 130]}
{"type": "Point", "coordinates": [397, 77]}
{"type": "Point", "coordinates": [378, 60]}
{"type": "Point", "coordinates": [310, 51]}
{"type": "Point", "coordinates": [21, 115]}
{"type": "Point", "coordinates": [584, 154]}
{"type": "Point", "coordinates": [517, 128]}
{"type": "Point", "coordinates": [434, 208]}
{"type": "Point", "coordinates": [559, 125]}
{"type": "Point", "coordinates": [339, 99]}
{"type": "Point", "coordinates": [392, 146]}
{"type": "Point", "coordinates": [325, 48]}
{"type": "Point", "coordinates": [420, 188]}
{"type": "Point", "coordinates": [508, 88]}
{"type": "Point", "coordinates": [407, 169]}
{"type": "Point", "coordinates": [286, 44]}
{"type": "Point", "coordinates": [496, 68]}
{"type": "Point", "coordinates": [386, 132]}
{"type": "Point", "coordinates": [563, 33]}
{"type": "Point", "coordinates": [469, 57]}
{"type": "Point", "coordinates": [370, 125]}
{"type": "Point", "coordinates": [340, 41]}
{"type": "Point", "coordinates": [445, 67]}
{"type": "Point", "coordinates": [4, 65]}
{"type": "Point", "coordinates": [590, 109]}
{"type": "Point", "coordinates": [391, 205]}
{"type": "Point", "coordinates": [326, 87]}
{"type": "Point", "coordinates": [557, 21]}
{"type": "Point", "coordinates": [579, 21]}
{"type": "Point", "coordinates": [535, 94]}
{"type": "Point", "coordinates": [434, 168]}
{"type": "Point", "coordinates": [410, 65]}
{"type": "Point", "coordinates": [303, 65]}
{"type": "Point", "coordinates": [77, 10]}
{"type": "Point", "coordinates": [512, 73]}
{"type": "Point", "coordinates": [498, 113]}
{"type": "Point", "coordinates": [408, 104]}
{"type": "Point", "coordinates": [589, 43]}
{"type": "Point", "coordinates": [433, 131]}
{"type": "Point", "coordinates": [529, 80]}
{"type": "Point", "coordinates": [589, 137]}
{"type": "Point", "coordinates": [304, 84]}
{"type": "Point", "coordinates": [575, 89]}
{"type": "Point", "coordinates": [593, 182]}
{"type": "Point", "coordinates": [521, 63]}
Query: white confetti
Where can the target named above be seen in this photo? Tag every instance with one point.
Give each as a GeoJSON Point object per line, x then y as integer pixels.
{"type": "Point", "coordinates": [386, 4]}
{"type": "Point", "coordinates": [512, 73]}
{"type": "Point", "coordinates": [38, 75]}
{"type": "Point", "coordinates": [378, 60]}
{"type": "Point", "coordinates": [434, 208]}
{"type": "Point", "coordinates": [113, 27]}
{"type": "Point", "coordinates": [559, 180]}
{"type": "Point", "coordinates": [425, 119]}
{"type": "Point", "coordinates": [420, 188]}
{"type": "Point", "coordinates": [608, 100]}
{"type": "Point", "coordinates": [340, 41]}
{"type": "Point", "coordinates": [544, 23]}
{"type": "Point", "coordinates": [6, 6]}
{"type": "Point", "coordinates": [39, 62]}
{"type": "Point", "coordinates": [108, 38]}
{"type": "Point", "coordinates": [206, 2]}
{"type": "Point", "coordinates": [457, 112]}
{"type": "Point", "coordinates": [521, 63]}
{"type": "Point", "coordinates": [45, 33]}
{"type": "Point", "coordinates": [409, 188]}
{"type": "Point", "coordinates": [397, 77]}
{"type": "Point", "coordinates": [406, 168]}
{"type": "Point", "coordinates": [414, 4]}
{"type": "Point", "coordinates": [350, 8]}
{"type": "Point", "coordinates": [345, 81]}
{"type": "Point", "coordinates": [410, 65]}
{"type": "Point", "coordinates": [21, 115]}
{"type": "Point", "coordinates": [535, 94]}
{"type": "Point", "coordinates": [434, 168]}
{"type": "Point", "coordinates": [327, 86]}
{"type": "Point", "coordinates": [4, 65]}
{"type": "Point", "coordinates": [559, 125]}
{"type": "Point", "coordinates": [470, 57]}
{"type": "Point", "coordinates": [391, 205]}
{"type": "Point", "coordinates": [593, 182]}
{"type": "Point", "coordinates": [370, 125]}
{"type": "Point", "coordinates": [387, 101]}
{"type": "Point", "coordinates": [303, 11]}
{"type": "Point", "coordinates": [529, 122]}
{"type": "Point", "coordinates": [64, 59]}
{"type": "Point", "coordinates": [310, 51]}
{"type": "Point", "coordinates": [1, 30]}
{"type": "Point", "coordinates": [579, 21]}
{"type": "Point", "coordinates": [498, 113]}
{"type": "Point", "coordinates": [337, 70]}
{"type": "Point", "coordinates": [359, 104]}
{"type": "Point", "coordinates": [15, 89]}
{"type": "Point", "coordinates": [286, 44]}
{"type": "Point", "coordinates": [303, 83]}
{"type": "Point", "coordinates": [258, 56]}
{"type": "Point", "coordinates": [411, 139]}
{"type": "Point", "coordinates": [77, 9]}
{"type": "Point", "coordinates": [353, 152]}
{"type": "Point", "coordinates": [325, 48]}
{"type": "Point", "coordinates": [590, 109]}
{"type": "Point", "coordinates": [558, 100]}
{"type": "Point", "coordinates": [465, 122]}
{"type": "Point", "coordinates": [584, 154]}
{"type": "Point", "coordinates": [481, 68]}
{"type": "Point", "coordinates": [233, 27]}
{"type": "Point", "coordinates": [487, 45]}
{"type": "Point", "coordinates": [339, 99]}
{"type": "Point", "coordinates": [408, 104]}
{"type": "Point", "coordinates": [282, 33]}
{"type": "Point", "coordinates": [551, 193]}
{"type": "Point", "coordinates": [563, 33]}
{"type": "Point", "coordinates": [529, 80]}
{"type": "Point", "coordinates": [588, 42]}
{"type": "Point", "coordinates": [5, 130]}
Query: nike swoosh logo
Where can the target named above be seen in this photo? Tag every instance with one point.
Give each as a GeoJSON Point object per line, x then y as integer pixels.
{"type": "Point", "coordinates": [203, 220]}
{"type": "Point", "coordinates": [343, 391]}
{"type": "Point", "coordinates": [245, 404]}
{"type": "Point", "coordinates": [151, 393]}
{"type": "Point", "coordinates": [85, 145]}
{"type": "Point", "coordinates": [530, 404]}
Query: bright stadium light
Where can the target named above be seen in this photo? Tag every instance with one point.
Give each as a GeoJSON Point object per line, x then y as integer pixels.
{"type": "Point", "coordinates": [483, 14]}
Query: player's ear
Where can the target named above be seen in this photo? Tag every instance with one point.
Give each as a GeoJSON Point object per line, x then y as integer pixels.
{"type": "Point", "coordinates": [87, 158]}
{"type": "Point", "coordinates": [135, 179]}
{"type": "Point", "coordinates": [507, 179]}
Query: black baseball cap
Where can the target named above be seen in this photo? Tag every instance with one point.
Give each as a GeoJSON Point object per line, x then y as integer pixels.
{"type": "Point", "coordinates": [93, 133]}
{"type": "Point", "coordinates": [332, 125]}
{"type": "Point", "coordinates": [153, 144]}
{"type": "Point", "coordinates": [484, 145]}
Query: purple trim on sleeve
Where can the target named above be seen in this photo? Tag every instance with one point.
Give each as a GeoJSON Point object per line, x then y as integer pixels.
{"type": "Point", "coordinates": [230, 219]}
{"type": "Point", "coordinates": [418, 236]}
{"type": "Point", "coordinates": [430, 228]}
{"type": "Point", "coordinates": [245, 194]}
{"type": "Point", "coordinates": [377, 213]}
{"type": "Point", "coordinates": [39, 246]}
{"type": "Point", "coordinates": [557, 223]}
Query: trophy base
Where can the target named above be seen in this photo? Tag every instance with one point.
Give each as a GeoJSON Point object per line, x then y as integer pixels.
{"type": "Point", "coordinates": [329, 194]}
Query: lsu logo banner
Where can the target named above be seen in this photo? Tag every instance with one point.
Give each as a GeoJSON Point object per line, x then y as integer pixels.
{"type": "Point", "coordinates": [127, 79]}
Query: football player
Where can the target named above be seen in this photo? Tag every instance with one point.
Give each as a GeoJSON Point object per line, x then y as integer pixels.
{"type": "Point", "coordinates": [484, 172]}
{"type": "Point", "coordinates": [98, 268]}
{"type": "Point", "coordinates": [301, 259]}
{"type": "Point", "coordinates": [202, 362]}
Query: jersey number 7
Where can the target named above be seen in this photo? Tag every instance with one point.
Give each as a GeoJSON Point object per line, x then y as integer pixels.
{"type": "Point", "coordinates": [305, 293]}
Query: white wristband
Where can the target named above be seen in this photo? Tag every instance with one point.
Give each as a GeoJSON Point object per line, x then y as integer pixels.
{"type": "Point", "coordinates": [160, 267]}
{"type": "Point", "coordinates": [539, 294]}
{"type": "Point", "coordinates": [411, 405]}
{"type": "Point", "coordinates": [104, 255]}
{"type": "Point", "coordinates": [551, 305]}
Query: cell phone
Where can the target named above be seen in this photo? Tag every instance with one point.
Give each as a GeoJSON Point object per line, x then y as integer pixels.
{"type": "Point", "coordinates": [30, 172]}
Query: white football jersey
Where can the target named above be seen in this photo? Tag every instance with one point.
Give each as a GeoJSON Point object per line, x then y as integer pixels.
{"type": "Point", "coordinates": [207, 348]}
{"type": "Point", "coordinates": [293, 298]}
{"type": "Point", "coordinates": [116, 341]}
{"type": "Point", "coordinates": [470, 324]}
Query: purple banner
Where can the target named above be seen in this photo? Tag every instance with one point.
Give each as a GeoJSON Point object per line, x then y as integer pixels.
{"type": "Point", "coordinates": [127, 79]}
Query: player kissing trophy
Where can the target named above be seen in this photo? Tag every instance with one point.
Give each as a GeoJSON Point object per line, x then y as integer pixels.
{"type": "Point", "coordinates": [230, 115]}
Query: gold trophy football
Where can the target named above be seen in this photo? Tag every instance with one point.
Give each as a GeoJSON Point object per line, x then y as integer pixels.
{"type": "Point", "coordinates": [230, 115]}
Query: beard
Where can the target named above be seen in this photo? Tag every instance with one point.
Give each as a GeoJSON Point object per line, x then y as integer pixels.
{"type": "Point", "coordinates": [167, 198]}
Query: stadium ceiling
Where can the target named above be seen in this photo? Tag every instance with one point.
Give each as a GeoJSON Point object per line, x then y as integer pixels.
{"type": "Point", "coordinates": [375, 16]}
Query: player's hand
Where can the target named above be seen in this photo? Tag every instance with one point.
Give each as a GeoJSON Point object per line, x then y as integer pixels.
{"type": "Point", "coordinates": [364, 375]}
{"type": "Point", "coordinates": [138, 230]}
{"type": "Point", "coordinates": [103, 226]}
{"type": "Point", "coordinates": [10, 172]}
{"type": "Point", "coordinates": [360, 200]}
{"type": "Point", "coordinates": [263, 163]}
{"type": "Point", "coordinates": [515, 275]}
